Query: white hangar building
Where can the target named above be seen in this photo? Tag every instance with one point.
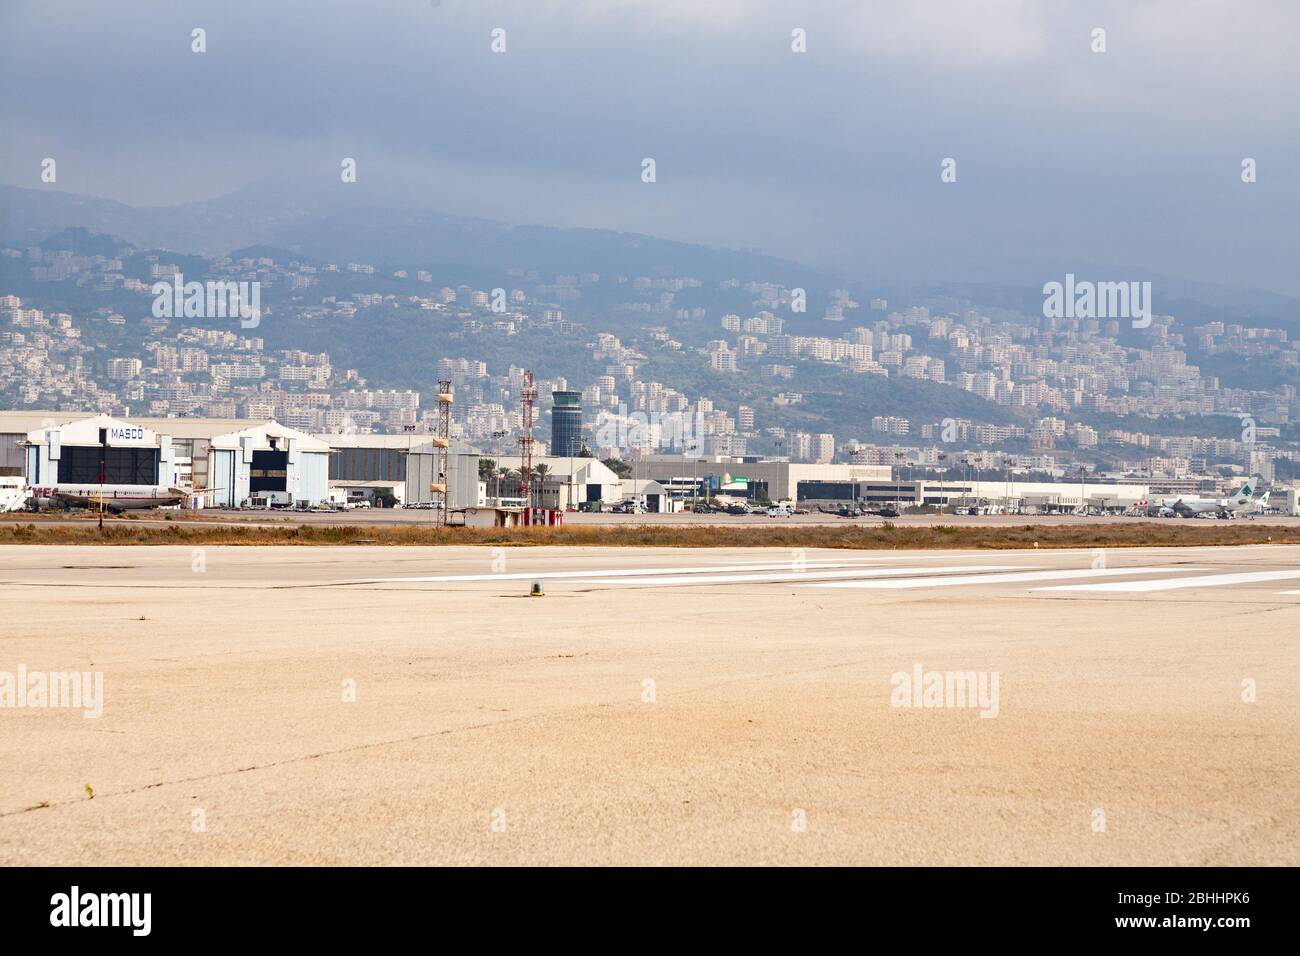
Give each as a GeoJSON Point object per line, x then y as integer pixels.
{"type": "Point", "coordinates": [271, 463]}
{"type": "Point", "coordinates": [259, 463]}
{"type": "Point", "coordinates": [74, 452]}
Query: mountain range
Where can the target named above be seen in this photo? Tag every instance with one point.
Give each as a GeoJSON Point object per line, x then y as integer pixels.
{"type": "Point", "coordinates": [361, 227]}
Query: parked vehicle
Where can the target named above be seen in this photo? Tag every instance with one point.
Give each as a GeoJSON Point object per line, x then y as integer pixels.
{"type": "Point", "coordinates": [780, 511]}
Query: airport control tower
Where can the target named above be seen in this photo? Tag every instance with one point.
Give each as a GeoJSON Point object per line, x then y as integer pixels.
{"type": "Point", "coordinates": [566, 424]}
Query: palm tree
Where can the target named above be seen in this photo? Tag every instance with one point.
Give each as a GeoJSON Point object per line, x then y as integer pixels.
{"type": "Point", "coordinates": [541, 471]}
{"type": "Point", "coordinates": [506, 475]}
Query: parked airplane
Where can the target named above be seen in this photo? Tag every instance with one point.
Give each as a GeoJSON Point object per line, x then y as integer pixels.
{"type": "Point", "coordinates": [114, 497]}
{"type": "Point", "coordinates": [1246, 500]}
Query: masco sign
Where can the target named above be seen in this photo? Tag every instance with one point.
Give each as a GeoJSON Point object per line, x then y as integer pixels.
{"type": "Point", "coordinates": [130, 435]}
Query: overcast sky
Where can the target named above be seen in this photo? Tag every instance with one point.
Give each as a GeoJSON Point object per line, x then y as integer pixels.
{"type": "Point", "coordinates": [1130, 157]}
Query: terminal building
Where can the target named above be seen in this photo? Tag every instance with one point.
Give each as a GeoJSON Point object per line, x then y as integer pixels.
{"type": "Point", "coordinates": [705, 476]}
{"type": "Point", "coordinates": [1033, 497]}
{"type": "Point", "coordinates": [874, 486]}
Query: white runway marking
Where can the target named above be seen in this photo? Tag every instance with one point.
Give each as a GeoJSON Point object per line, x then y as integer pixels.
{"type": "Point", "coordinates": [863, 572]}
{"type": "Point", "coordinates": [620, 572]}
{"type": "Point", "coordinates": [1014, 577]}
{"type": "Point", "coordinates": [1170, 584]}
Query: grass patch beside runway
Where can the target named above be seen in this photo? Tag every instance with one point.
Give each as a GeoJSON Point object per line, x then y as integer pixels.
{"type": "Point", "coordinates": [865, 537]}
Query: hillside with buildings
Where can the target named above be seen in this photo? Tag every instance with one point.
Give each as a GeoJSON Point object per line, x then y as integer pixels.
{"type": "Point", "coordinates": [744, 368]}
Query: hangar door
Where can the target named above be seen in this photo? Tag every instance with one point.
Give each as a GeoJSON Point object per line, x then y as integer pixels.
{"type": "Point", "coordinates": [270, 472]}
{"type": "Point", "coordinates": [122, 466]}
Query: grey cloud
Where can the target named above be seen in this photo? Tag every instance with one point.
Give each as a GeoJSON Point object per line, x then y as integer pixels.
{"type": "Point", "coordinates": [1130, 157]}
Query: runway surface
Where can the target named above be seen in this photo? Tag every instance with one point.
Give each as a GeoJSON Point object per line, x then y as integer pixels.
{"type": "Point", "coordinates": [752, 706]}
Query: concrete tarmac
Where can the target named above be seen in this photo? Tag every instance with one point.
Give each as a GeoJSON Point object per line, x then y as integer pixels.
{"type": "Point", "coordinates": [295, 705]}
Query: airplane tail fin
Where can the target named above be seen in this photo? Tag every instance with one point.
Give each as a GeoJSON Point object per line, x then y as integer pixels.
{"type": "Point", "coordinates": [1249, 492]}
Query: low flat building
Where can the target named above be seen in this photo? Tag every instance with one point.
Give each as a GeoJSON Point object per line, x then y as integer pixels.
{"type": "Point", "coordinates": [1034, 496]}
{"type": "Point", "coordinates": [1286, 500]}
{"type": "Point", "coordinates": [568, 482]}
{"type": "Point", "coordinates": [490, 517]}
{"type": "Point", "coordinates": [649, 494]}
{"type": "Point", "coordinates": [373, 493]}
{"type": "Point", "coordinates": [410, 461]}
{"type": "Point", "coordinates": [873, 485]}
{"type": "Point", "coordinates": [685, 476]}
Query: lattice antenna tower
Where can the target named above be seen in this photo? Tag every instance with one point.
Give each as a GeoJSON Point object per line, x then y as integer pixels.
{"type": "Point", "coordinates": [442, 441]}
{"type": "Point", "coordinates": [527, 417]}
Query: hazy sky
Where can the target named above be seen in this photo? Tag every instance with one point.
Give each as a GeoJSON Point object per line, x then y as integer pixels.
{"type": "Point", "coordinates": [1130, 157]}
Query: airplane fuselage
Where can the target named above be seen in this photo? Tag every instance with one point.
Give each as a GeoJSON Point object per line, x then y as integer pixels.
{"type": "Point", "coordinates": [111, 497]}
